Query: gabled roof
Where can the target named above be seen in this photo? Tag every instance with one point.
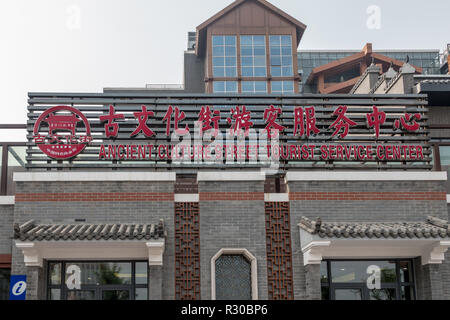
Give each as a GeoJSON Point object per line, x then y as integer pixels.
{"type": "Point", "coordinates": [201, 28]}
{"type": "Point", "coordinates": [348, 62]}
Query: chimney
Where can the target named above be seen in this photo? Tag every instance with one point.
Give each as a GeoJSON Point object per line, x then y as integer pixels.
{"type": "Point", "coordinates": [367, 50]}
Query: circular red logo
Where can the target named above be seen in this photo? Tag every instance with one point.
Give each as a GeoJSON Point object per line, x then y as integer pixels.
{"type": "Point", "coordinates": [62, 141]}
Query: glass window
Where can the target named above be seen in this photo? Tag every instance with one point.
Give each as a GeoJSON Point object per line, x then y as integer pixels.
{"type": "Point", "coordinates": [281, 56]}
{"type": "Point", "coordinates": [55, 294]}
{"type": "Point", "coordinates": [444, 152]}
{"type": "Point", "coordinates": [253, 56]}
{"type": "Point", "coordinates": [103, 273]}
{"type": "Point", "coordinates": [55, 273]}
{"type": "Point", "coordinates": [254, 87]}
{"type": "Point", "coordinates": [81, 295]}
{"type": "Point", "coordinates": [16, 163]}
{"type": "Point", "coordinates": [348, 294]}
{"type": "Point", "coordinates": [233, 278]}
{"type": "Point", "coordinates": [225, 87]}
{"type": "Point", "coordinates": [141, 273]}
{"type": "Point", "coordinates": [99, 280]}
{"type": "Point", "coordinates": [224, 56]}
{"type": "Point", "coordinates": [354, 271]}
{"type": "Point", "coordinates": [280, 87]}
{"type": "Point", "coordinates": [141, 294]}
{"type": "Point", "coordinates": [383, 294]}
{"type": "Point", "coordinates": [348, 280]}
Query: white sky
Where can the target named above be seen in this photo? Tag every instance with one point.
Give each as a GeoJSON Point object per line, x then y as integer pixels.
{"type": "Point", "coordinates": [86, 45]}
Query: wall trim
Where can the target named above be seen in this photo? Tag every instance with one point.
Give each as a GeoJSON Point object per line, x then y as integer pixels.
{"type": "Point", "coordinates": [35, 252]}
{"type": "Point", "coordinates": [366, 176]}
{"type": "Point", "coordinates": [194, 197]}
{"type": "Point", "coordinates": [231, 176]}
{"type": "Point", "coordinates": [430, 250]}
{"type": "Point", "coordinates": [236, 251]}
{"type": "Point", "coordinates": [93, 176]}
{"type": "Point", "coordinates": [276, 197]}
{"type": "Point", "coordinates": [7, 200]}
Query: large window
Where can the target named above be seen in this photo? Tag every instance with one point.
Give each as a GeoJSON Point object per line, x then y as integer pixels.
{"type": "Point", "coordinates": [281, 56]}
{"type": "Point", "coordinates": [224, 56]}
{"type": "Point", "coordinates": [280, 87]}
{"type": "Point", "coordinates": [367, 280]}
{"type": "Point", "coordinates": [254, 87]}
{"type": "Point", "coordinates": [225, 87]}
{"type": "Point", "coordinates": [98, 281]}
{"type": "Point", "coordinates": [253, 56]}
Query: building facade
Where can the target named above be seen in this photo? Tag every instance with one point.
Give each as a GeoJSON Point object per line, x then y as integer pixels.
{"type": "Point", "coordinates": [103, 202]}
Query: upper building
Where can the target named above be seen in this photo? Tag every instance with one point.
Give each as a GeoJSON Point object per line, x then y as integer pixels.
{"type": "Point", "coordinates": [252, 47]}
{"type": "Point", "coordinates": [248, 47]}
{"type": "Point", "coordinates": [338, 71]}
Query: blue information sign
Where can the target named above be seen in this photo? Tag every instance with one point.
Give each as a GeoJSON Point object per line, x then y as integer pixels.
{"type": "Point", "coordinates": [18, 287]}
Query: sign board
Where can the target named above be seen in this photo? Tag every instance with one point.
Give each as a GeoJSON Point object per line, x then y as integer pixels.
{"type": "Point", "coordinates": [240, 131]}
{"type": "Point", "coordinates": [18, 287]}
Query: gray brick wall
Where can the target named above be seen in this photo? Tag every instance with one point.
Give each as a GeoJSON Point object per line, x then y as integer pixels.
{"type": "Point", "coordinates": [232, 224]}
{"type": "Point", "coordinates": [104, 212]}
{"type": "Point", "coordinates": [6, 228]}
{"type": "Point", "coordinates": [362, 211]}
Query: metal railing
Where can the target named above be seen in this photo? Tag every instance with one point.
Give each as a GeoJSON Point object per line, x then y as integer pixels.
{"type": "Point", "coordinates": [12, 159]}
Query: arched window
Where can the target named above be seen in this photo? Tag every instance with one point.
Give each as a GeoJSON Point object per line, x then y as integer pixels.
{"type": "Point", "coordinates": [234, 275]}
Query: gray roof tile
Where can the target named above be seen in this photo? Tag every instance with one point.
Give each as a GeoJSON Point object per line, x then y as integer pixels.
{"type": "Point", "coordinates": [30, 231]}
{"type": "Point", "coordinates": [432, 228]}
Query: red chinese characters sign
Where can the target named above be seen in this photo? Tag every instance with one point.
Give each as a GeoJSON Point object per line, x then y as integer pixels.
{"type": "Point", "coordinates": [69, 132]}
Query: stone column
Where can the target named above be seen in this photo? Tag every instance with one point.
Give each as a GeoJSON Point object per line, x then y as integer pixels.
{"type": "Point", "coordinates": [35, 283]}
{"type": "Point", "coordinates": [155, 283]}
{"type": "Point", "coordinates": [312, 284]}
{"type": "Point", "coordinates": [432, 286]}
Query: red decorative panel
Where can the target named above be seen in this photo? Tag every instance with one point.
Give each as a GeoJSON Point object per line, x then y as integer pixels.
{"type": "Point", "coordinates": [279, 251]}
{"type": "Point", "coordinates": [364, 196]}
{"type": "Point", "coordinates": [187, 251]}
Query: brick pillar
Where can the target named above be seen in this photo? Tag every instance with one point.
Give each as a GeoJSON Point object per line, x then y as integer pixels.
{"type": "Point", "coordinates": [35, 283]}
{"type": "Point", "coordinates": [432, 284]}
{"type": "Point", "coordinates": [155, 283]}
{"type": "Point", "coordinates": [312, 277]}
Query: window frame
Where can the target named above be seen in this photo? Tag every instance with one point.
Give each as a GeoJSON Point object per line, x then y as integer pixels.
{"type": "Point", "coordinates": [236, 251]}
{"type": "Point", "coordinates": [253, 56]}
{"type": "Point", "coordinates": [365, 292]}
{"type": "Point", "coordinates": [224, 56]}
{"type": "Point", "coordinates": [281, 56]}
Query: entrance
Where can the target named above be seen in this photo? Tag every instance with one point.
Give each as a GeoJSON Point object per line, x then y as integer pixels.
{"type": "Point", "coordinates": [104, 280]}
{"type": "Point", "coordinates": [367, 280]}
